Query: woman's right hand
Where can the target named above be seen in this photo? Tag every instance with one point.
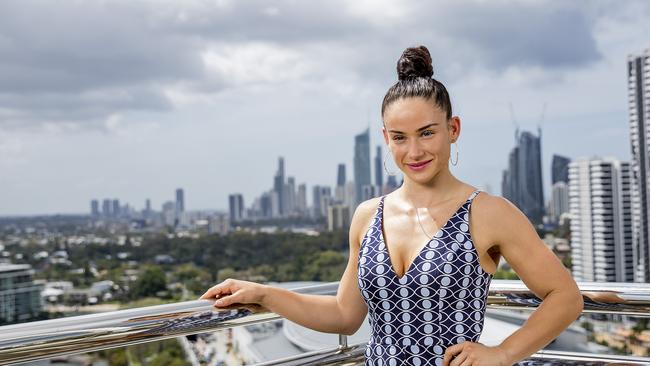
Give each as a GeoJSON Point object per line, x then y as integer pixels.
{"type": "Point", "coordinates": [236, 293]}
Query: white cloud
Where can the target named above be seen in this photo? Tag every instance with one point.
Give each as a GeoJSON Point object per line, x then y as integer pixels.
{"type": "Point", "coordinates": [255, 63]}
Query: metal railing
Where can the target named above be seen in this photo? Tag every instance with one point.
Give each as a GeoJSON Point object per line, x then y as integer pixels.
{"type": "Point", "coordinates": [81, 334]}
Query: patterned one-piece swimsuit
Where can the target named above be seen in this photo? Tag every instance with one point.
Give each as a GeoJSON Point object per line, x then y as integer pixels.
{"type": "Point", "coordinates": [438, 302]}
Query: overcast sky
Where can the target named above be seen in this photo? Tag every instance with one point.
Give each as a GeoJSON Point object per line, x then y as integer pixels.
{"type": "Point", "coordinates": [132, 99]}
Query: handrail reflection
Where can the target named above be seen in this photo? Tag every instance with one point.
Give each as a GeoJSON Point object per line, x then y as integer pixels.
{"type": "Point", "coordinates": [80, 334]}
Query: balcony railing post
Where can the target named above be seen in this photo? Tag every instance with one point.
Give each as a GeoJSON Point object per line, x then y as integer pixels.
{"type": "Point", "coordinates": [343, 341]}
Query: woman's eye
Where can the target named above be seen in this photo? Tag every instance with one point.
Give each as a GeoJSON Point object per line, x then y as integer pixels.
{"type": "Point", "coordinates": [398, 138]}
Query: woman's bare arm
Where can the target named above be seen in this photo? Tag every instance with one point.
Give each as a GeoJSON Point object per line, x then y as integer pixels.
{"type": "Point", "coordinates": [539, 269]}
{"type": "Point", "coordinates": [343, 313]}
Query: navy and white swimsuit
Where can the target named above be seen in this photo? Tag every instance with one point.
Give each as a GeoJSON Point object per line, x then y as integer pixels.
{"type": "Point", "coordinates": [440, 301]}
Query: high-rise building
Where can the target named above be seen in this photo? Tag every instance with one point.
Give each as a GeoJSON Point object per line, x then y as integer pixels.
{"type": "Point", "coordinates": [278, 186]}
{"type": "Point", "coordinates": [290, 196]}
{"type": "Point", "coordinates": [338, 217]}
{"type": "Point", "coordinates": [147, 209]}
{"type": "Point", "coordinates": [266, 204]}
{"type": "Point", "coordinates": [522, 183]}
{"type": "Point", "coordinates": [560, 169]}
{"type": "Point", "coordinates": [361, 163]}
{"type": "Point", "coordinates": [510, 183]}
{"type": "Point", "coordinates": [301, 199]}
{"type": "Point", "coordinates": [94, 208]}
{"type": "Point", "coordinates": [602, 247]}
{"type": "Point", "coordinates": [106, 208]}
{"type": "Point", "coordinates": [169, 216]}
{"type": "Point", "coordinates": [20, 297]}
{"type": "Point", "coordinates": [219, 224]}
{"type": "Point", "coordinates": [379, 170]}
{"type": "Point", "coordinates": [236, 207]}
{"type": "Point", "coordinates": [638, 74]}
{"type": "Point", "coordinates": [275, 203]}
{"type": "Point", "coordinates": [559, 200]}
{"type": "Point", "coordinates": [322, 197]}
{"type": "Point", "coordinates": [349, 195]}
{"type": "Point", "coordinates": [340, 175]}
{"type": "Point", "coordinates": [180, 200]}
{"type": "Point", "coordinates": [116, 211]}
{"type": "Point", "coordinates": [339, 190]}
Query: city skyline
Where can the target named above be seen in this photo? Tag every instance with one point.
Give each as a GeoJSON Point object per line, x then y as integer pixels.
{"type": "Point", "coordinates": [207, 114]}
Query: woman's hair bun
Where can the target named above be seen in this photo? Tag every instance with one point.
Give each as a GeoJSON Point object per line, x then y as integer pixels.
{"type": "Point", "coordinates": [415, 62]}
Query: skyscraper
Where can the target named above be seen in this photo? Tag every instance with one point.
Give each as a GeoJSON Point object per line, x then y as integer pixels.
{"type": "Point", "coordinates": [340, 175]}
{"type": "Point", "coordinates": [322, 196]}
{"type": "Point", "coordinates": [278, 186]}
{"type": "Point", "coordinates": [236, 207]}
{"type": "Point", "coordinates": [266, 204]}
{"type": "Point", "coordinates": [638, 72]}
{"type": "Point", "coordinates": [560, 169]}
{"type": "Point", "coordinates": [290, 196]}
{"type": "Point", "coordinates": [522, 183]}
{"type": "Point", "coordinates": [116, 211]}
{"type": "Point", "coordinates": [169, 213]}
{"type": "Point", "coordinates": [106, 208]}
{"type": "Point", "coordinates": [379, 170]}
{"type": "Point", "coordinates": [602, 247]}
{"type": "Point", "coordinates": [180, 201]}
{"type": "Point", "coordinates": [301, 199]}
{"type": "Point", "coordinates": [339, 190]}
{"type": "Point", "coordinates": [94, 208]}
{"type": "Point", "coordinates": [361, 163]}
{"type": "Point", "coordinates": [338, 217]}
{"type": "Point", "coordinates": [560, 187]}
{"type": "Point", "coordinates": [559, 200]}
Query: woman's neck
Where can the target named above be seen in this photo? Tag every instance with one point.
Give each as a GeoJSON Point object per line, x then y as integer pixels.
{"type": "Point", "coordinates": [443, 187]}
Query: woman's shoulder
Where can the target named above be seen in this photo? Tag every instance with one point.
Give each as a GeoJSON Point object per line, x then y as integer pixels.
{"type": "Point", "coordinates": [363, 216]}
{"type": "Point", "coordinates": [491, 204]}
{"type": "Point", "coordinates": [366, 209]}
{"type": "Point", "coordinates": [494, 212]}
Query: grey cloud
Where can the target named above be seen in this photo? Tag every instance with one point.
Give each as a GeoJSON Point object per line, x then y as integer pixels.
{"type": "Point", "coordinates": [86, 60]}
{"type": "Point", "coordinates": [549, 35]}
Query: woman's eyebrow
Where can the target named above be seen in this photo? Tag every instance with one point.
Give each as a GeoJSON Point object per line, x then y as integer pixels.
{"type": "Point", "coordinates": [419, 129]}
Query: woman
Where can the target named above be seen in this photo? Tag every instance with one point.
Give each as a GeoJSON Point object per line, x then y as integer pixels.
{"type": "Point", "coordinates": [420, 262]}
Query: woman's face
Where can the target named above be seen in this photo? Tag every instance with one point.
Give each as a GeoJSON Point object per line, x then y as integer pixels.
{"type": "Point", "coordinates": [419, 135]}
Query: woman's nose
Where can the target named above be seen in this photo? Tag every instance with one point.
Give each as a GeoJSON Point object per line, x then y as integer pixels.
{"type": "Point", "coordinates": [415, 151]}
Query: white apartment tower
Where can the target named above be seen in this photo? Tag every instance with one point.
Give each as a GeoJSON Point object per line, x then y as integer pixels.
{"type": "Point", "coordinates": [638, 84]}
{"type": "Point", "coordinates": [559, 200]}
{"type": "Point", "coordinates": [602, 247]}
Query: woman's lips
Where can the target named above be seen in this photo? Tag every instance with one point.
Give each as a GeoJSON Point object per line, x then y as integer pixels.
{"type": "Point", "coordinates": [419, 166]}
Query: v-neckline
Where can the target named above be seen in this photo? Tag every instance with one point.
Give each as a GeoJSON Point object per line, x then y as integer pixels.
{"type": "Point", "coordinates": [383, 238]}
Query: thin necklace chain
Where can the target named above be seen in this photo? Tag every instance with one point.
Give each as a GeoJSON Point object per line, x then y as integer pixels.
{"type": "Point", "coordinates": [419, 221]}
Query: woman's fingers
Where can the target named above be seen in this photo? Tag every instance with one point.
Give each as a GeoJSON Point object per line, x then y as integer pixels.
{"type": "Point", "coordinates": [459, 360]}
{"type": "Point", "coordinates": [451, 352]}
{"type": "Point", "coordinates": [217, 290]}
{"type": "Point", "coordinates": [228, 300]}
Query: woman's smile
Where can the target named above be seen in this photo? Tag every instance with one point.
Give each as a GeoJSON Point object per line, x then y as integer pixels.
{"type": "Point", "coordinates": [419, 166]}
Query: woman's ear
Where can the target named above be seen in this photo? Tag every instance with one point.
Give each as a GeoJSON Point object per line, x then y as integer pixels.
{"type": "Point", "coordinates": [454, 129]}
{"type": "Point", "coordinates": [385, 133]}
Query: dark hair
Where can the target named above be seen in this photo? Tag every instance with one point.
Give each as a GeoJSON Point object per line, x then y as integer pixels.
{"type": "Point", "coordinates": [415, 79]}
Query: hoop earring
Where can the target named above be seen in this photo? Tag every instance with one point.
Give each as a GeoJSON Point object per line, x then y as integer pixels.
{"type": "Point", "coordinates": [386, 169]}
{"type": "Point", "coordinates": [454, 163]}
